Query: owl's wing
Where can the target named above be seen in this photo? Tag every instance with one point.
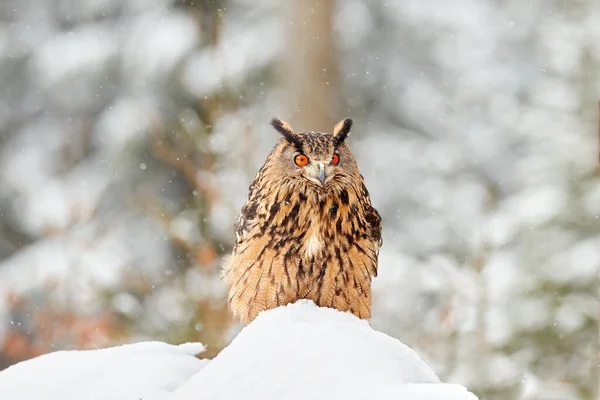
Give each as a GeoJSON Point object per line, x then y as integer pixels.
{"type": "Point", "coordinates": [248, 217]}
{"type": "Point", "coordinates": [374, 220]}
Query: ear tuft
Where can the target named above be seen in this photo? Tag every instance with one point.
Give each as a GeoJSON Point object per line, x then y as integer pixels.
{"type": "Point", "coordinates": [286, 131]}
{"type": "Point", "coordinates": [341, 130]}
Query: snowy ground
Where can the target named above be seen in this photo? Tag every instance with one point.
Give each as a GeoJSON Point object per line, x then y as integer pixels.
{"type": "Point", "coordinates": [124, 372]}
{"type": "Point", "coordinates": [298, 351]}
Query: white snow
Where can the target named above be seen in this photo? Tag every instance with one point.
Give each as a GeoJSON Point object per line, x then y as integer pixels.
{"type": "Point", "coordinates": [307, 352]}
{"type": "Point", "coordinates": [119, 373]}
{"type": "Point", "coordinates": [297, 351]}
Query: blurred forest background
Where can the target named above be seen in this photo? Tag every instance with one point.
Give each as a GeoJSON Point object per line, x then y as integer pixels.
{"type": "Point", "coordinates": [131, 129]}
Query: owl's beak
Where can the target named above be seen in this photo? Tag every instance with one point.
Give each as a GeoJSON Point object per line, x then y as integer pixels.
{"type": "Point", "coordinates": [322, 173]}
{"type": "Point", "coordinates": [316, 172]}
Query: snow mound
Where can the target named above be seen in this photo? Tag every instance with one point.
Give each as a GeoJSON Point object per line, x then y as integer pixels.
{"type": "Point", "coordinates": [299, 351]}
{"type": "Point", "coordinates": [117, 373]}
{"type": "Point", "coordinates": [304, 351]}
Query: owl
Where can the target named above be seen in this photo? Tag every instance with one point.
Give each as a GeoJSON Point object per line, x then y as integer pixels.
{"type": "Point", "coordinates": [307, 231]}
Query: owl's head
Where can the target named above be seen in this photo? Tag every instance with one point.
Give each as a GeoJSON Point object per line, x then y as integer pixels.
{"type": "Point", "coordinates": [318, 158]}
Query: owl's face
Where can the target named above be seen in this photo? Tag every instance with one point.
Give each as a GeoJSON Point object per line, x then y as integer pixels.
{"type": "Point", "coordinates": [317, 159]}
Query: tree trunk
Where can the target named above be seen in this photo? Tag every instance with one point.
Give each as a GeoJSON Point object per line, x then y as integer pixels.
{"type": "Point", "coordinates": [309, 77]}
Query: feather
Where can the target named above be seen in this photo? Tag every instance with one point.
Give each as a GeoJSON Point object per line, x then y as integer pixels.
{"type": "Point", "coordinates": [341, 130]}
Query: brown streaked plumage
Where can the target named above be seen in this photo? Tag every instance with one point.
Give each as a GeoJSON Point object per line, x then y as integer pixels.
{"type": "Point", "coordinates": [305, 232]}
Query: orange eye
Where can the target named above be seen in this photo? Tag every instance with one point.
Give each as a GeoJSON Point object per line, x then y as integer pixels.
{"type": "Point", "coordinates": [335, 159]}
{"type": "Point", "coordinates": [301, 160]}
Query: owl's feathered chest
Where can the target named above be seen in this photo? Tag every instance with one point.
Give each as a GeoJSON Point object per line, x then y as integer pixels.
{"type": "Point", "coordinates": [303, 243]}
{"type": "Point", "coordinates": [308, 222]}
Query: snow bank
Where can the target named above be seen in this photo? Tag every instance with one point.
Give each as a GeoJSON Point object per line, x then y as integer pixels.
{"type": "Point", "coordinates": [304, 351]}
{"type": "Point", "coordinates": [299, 351]}
{"type": "Point", "coordinates": [120, 373]}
